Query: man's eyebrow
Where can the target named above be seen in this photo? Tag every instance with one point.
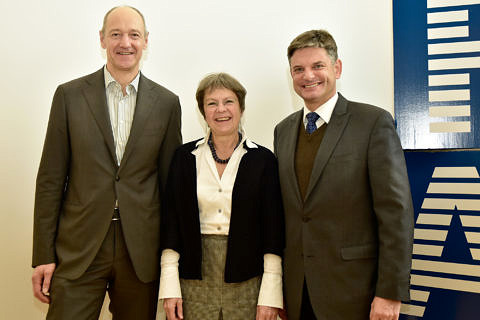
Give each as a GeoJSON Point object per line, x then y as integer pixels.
{"type": "Point", "coordinates": [131, 30]}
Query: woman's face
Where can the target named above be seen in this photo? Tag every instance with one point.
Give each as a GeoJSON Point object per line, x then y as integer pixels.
{"type": "Point", "coordinates": [222, 111]}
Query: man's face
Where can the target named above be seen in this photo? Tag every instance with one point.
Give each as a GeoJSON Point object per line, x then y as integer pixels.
{"type": "Point", "coordinates": [314, 75]}
{"type": "Point", "coordinates": [124, 39]}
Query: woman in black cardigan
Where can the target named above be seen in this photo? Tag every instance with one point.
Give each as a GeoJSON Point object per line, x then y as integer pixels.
{"type": "Point", "coordinates": [223, 225]}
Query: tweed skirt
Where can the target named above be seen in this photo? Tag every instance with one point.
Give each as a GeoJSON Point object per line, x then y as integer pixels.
{"type": "Point", "coordinates": [211, 298]}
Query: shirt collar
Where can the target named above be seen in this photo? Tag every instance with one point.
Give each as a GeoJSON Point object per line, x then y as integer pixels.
{"type": "Point", "coordinates": [325, 110]}
{"type": "Point", "coordinates": [109, 79]}
{"type": "Point", "coordinates": [247, 143]}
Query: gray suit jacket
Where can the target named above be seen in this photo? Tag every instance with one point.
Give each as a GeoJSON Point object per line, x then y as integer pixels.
{"type": "Point", "coordinates": [351, 239]}
{"type": "Point", "coordinates": [79, 179]}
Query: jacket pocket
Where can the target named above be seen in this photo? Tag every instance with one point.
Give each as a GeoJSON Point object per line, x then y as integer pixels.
{"type": "Point", "coordinates": [366, 251]}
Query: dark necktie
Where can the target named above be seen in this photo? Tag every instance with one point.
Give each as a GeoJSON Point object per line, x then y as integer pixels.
{"type": "Point", "coordinates": [312, 118]}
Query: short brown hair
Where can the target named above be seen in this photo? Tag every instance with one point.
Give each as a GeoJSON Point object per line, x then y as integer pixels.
{"type": "Point", "coordinates": [314, 39]}
{"type": "Point", "coordinates": [134, 9]}
{"type": "Point", "coordinates": [218, 81]}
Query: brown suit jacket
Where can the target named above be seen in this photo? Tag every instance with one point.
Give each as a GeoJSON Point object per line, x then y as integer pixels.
{"type": "Point", "coordinates": [79, 179]}
{"type": "Point", "coordinates": [351, 239]}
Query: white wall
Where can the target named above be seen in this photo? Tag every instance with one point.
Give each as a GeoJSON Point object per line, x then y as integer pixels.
{"type": "Point", "coordinates": [45, 43]}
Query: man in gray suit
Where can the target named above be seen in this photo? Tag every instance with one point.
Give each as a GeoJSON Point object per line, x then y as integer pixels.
{"type": "Point", "coordinates": [100, 183]}
{"type": "Point", "coordinates": [348, 208]}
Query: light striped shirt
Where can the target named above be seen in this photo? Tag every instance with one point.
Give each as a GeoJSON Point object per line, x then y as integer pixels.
{"type": "Point", "coordinates": [121, 110]}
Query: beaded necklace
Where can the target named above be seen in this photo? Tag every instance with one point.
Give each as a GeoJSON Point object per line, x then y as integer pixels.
{"type": "Point", "coordinates": [214, 152]}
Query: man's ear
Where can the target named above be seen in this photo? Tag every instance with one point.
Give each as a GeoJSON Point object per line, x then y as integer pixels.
{"type": "Point", "coordinates": [102, 39]}
{"type": "Point", "coordinates": [338, 68]}
{"type": "Point", "coordinates": [146, 40]}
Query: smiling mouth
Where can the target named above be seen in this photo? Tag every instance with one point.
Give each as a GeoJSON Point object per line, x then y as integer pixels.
{"type": "Point", "coordinates": [312, 85]}
{"type": "Point", "coordinates": [223, 119]}
{"type": "Point", "coordinates": [125, 53]}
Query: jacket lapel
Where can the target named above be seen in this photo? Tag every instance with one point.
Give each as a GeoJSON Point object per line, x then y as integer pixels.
{"type": "Point", "coordinates": [334, 131]}
{"type": "Point", "coordinates": [143, 109]}
{"type": "Point", "coordinates": [94, 93]}
{"type": "Point", "coordinates": [289, 142]}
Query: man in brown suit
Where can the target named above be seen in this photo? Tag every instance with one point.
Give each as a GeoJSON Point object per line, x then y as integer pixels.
{"type": "Point", "coordinates": [100, 183]}
{"type": "Point", "coordinates": [348, 209]}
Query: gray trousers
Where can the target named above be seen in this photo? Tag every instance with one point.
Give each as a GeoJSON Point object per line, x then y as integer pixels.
{"type": "Point", "coordinates": [211, 298]}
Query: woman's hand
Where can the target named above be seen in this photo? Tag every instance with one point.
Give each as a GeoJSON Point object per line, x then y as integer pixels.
{"type": "Point", "coordinates": [173, 308]}
{"type": "Point", "coordinates": [283, 314]}
{"type": "Point", "coordinates": [266, 313]}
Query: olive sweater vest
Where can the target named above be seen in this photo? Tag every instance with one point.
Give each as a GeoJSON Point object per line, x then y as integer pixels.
{"type": "Point", "coordinates": [305, 152]}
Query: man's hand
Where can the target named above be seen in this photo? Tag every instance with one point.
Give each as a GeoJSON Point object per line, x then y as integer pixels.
{"type": "Point", "coordinates": [173, 308]}
{"type": "Point", "coordinates": [41, 279]}
{"type": "Point", "coordinates": [384, 309]}
{"type": "Point", "coordinates": [266, 313]}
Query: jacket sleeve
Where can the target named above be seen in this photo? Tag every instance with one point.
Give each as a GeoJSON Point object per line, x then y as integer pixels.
{"type": "Point", "coordinates": [170, 228]}
{"type": "Point", "coordinates": [171, 141]}
{"type": "Point", "coordinates": [51, 182]}
{"type": "Point", "coordinates": [393, 208]}
{"type": "Point", "coordinates": [272, 209]}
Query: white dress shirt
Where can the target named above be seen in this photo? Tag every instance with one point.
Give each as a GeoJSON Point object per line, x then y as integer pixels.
{"type": "Point", "coordinates": [214, 195]}
{"type": "Point", "coordinates": [324, 111]}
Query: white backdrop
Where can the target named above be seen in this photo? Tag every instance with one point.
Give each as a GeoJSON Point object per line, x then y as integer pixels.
{"type": "Point", "coordinates": [45, 43]}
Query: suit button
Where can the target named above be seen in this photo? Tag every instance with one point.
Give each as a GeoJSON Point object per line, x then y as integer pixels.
{"type": "Point", "coordinates": [117, 178]}
{"type": "Point", "coordinates": [306, 218]}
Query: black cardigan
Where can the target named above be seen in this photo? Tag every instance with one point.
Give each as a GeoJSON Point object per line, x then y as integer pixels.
{"type": "Point", "coordinates": [256, 222]}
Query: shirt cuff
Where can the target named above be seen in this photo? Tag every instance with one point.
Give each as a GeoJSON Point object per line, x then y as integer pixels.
{"type": "Point", "coordinates": [271, 294]}
{"type": "Point", "coordinates": [169, 278]}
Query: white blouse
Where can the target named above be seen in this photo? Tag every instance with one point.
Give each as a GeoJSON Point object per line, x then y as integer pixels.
{"type": "Point", "coordinates": [214, 194]}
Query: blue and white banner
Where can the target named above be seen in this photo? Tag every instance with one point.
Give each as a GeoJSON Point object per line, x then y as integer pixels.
{"type": "Point", "coordinates": [445, 277]}
{"type": "Point", "coordinates": [437, 73]}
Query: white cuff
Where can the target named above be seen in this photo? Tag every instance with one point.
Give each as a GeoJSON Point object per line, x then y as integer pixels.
{"type": "Point", "coordinates": [169, 278]}
{"type": "Point", "coordinates": [271, 294]}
